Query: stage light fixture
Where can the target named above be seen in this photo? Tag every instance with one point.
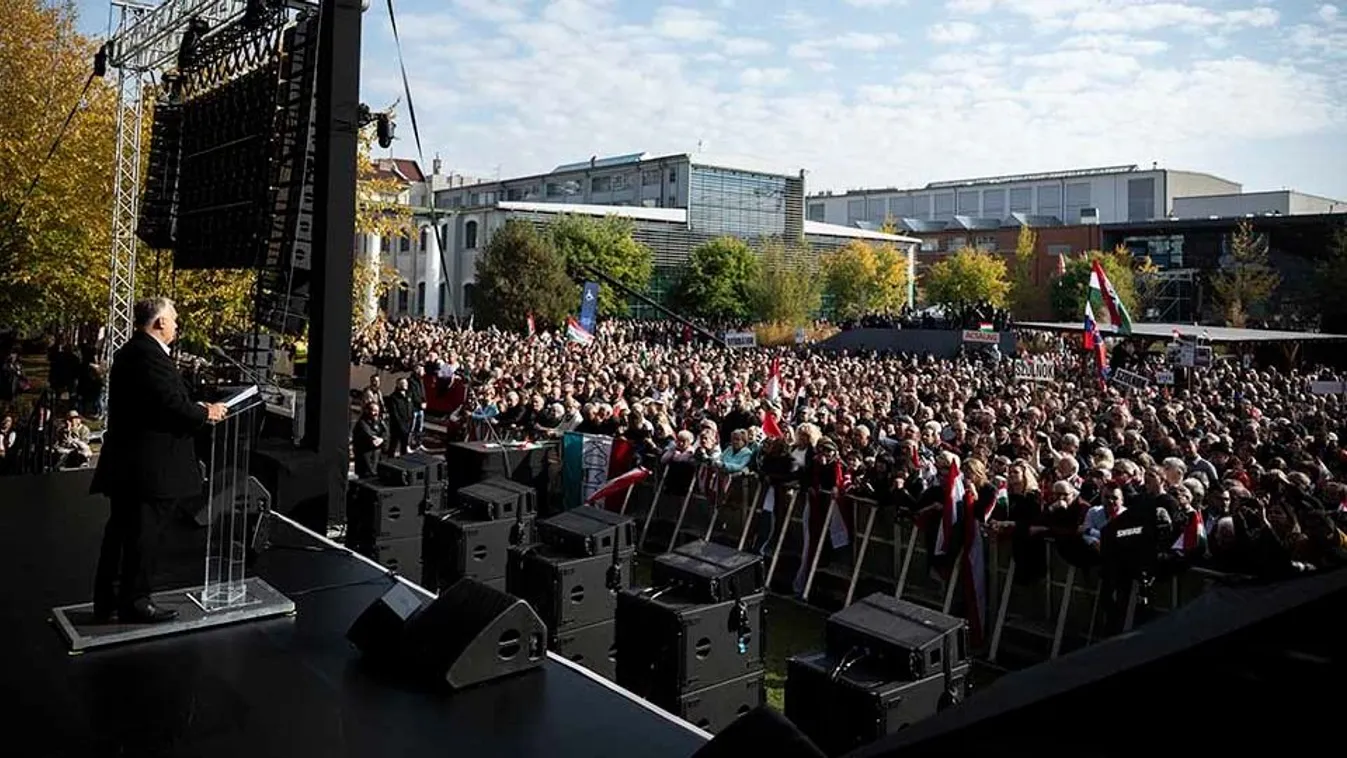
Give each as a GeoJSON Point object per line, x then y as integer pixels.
{"type": "Point", "coordinates": [384, 129]}
{"type": "Point", "coordinates": [101, 61]}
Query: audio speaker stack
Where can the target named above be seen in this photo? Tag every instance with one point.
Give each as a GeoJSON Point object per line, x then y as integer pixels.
{"type": "Point", "coordinates": [887, 664]}
{"type": "Point", "coordinates": [471, 536]}
{"type": "Point", "coordinates": [571, 578]}
{"type": "Point", "coordinates": [471, 633]}
{"type": "Point", "coordinates": [383, 521]}
{"type": "Point", "coordinates": [695, 643]}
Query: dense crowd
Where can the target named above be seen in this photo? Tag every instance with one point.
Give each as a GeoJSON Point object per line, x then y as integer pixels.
{"type": "Point", "coordinates": [1235, 466]}
{"type": "Point", "coordinates": [970, 316]}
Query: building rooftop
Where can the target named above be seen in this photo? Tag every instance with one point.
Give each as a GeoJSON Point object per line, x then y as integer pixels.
{"type": "Point", "coordinates": [680, 216]}
{"type": "Point", "coordinates": [1077, 173]}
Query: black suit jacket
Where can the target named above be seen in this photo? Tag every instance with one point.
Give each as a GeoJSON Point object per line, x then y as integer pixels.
{"type": "Point", "coordinates": [149, 450]}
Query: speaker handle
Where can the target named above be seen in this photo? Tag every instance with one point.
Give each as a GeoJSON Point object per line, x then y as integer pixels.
{"type": "Point", "coordinates": [613, 580]}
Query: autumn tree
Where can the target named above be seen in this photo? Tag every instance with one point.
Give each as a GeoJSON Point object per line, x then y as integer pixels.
{"type": "Point", "coordinates": [787, 289]}
{"type": "Point", "coordinates": [861, 278]}
{"type": "Point", "coordinates": [1331, 278]}
{"type": "Point", "coordinates": [1246, 281]}
{"type": "Point", "coordinates": [1024, 295]}
{"type": "Point", "coordinates": [519, 272]}
{"type": "Point", "coordinates": [588, 244]}
{"type": "Point", "coordinates": [718, 280]}
{"type": "Point", "coordinates": [968, 277]}
{"type": "Point", "coordinates": [55, 232]}
{"type": "Point", "coordinates": [1069, 289]}
{"type": "Point", "coordinates": [381, 211]}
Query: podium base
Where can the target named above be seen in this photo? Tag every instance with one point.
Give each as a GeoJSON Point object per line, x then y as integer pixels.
{"type": "Point", "coordinates": [83, 632]}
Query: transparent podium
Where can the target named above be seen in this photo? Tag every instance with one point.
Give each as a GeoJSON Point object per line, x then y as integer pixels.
{"type": "Point", "coordinates": [233, 512]}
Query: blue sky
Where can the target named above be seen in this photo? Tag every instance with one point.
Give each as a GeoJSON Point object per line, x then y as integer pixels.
{"type": "Point", "coordinates": [869, 93]}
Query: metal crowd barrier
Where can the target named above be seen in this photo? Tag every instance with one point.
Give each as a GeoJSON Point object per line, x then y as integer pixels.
{"type": "Point", "coordinates": [1001, 578]}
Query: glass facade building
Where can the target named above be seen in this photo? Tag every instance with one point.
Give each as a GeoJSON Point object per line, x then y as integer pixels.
{"type": "Point", "coordinates": [738, 203]}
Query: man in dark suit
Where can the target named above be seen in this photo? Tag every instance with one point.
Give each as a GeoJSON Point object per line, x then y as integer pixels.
{"type": "Point", "coordinates": [148, 462]}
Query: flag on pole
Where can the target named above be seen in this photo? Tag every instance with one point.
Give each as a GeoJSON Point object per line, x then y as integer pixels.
{"type": "Point", "coordinates": [1093, 340]}
{"type": "Point", "coordinates": [986, 326]}
{"type": "Point", "coordinates": [975, 573]}
{"type": "Point", "coordinates": [618, 485]}
{"type": "Point", "coordinates": [531, 326]}
{"type": "Point", "coordinates": [577, 333]}
{"type": "Point", "coordinates": [772, 390]}
{"type": "Point", "coordinates": [770, 427]}
{"type": "Point", "coordinates": [1105, 301]}
{"type": "Point", "coordinates": [951, 512]}
{"type": "Point", "coordinates": [1000, 500]}
{"type": "Point", "coordinates": [1194, 536]}
{"type": "Point", "coordinates": [1061, 265]}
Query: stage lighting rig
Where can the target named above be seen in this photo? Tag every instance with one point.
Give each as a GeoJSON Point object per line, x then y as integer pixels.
{"type": "Point", "coordinates": [385, 127]}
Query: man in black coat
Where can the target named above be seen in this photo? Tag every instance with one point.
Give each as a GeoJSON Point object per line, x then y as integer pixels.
{"type": "Point", "coordinates": [148, 462]}
{"type": "Point", "coordinates": [399, 409]}
{"type": "Point", "coordinates": [416, 390]}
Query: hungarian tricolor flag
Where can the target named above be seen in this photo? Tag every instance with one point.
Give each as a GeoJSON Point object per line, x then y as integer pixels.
{"type": "Point", "coordinates": [1000, 500]}
{"type": "Point", "coordinates": [1104, 300]}
{"type": "Point", "coordinates": [619, 485]}
{"type": "Point", "coordinates": [1093, 341]}
{"type": "Point", "coordinates": [577, 333]}
{"type": "Point", "coordinates": [952, 510]}
{"type": "Point", "coordinates": [1194, 536]}
{"type": "Point", "coordinates": [772, 390]}
{"type": "Point", "coordinates": [770, 427]}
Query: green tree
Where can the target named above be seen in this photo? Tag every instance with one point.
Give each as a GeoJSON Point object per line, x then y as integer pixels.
{"type": "Point", "coordinates": [1331, 280]}
{"type": "Point", "coordinates": [862, 278]}
{"type": "Point", "coordinates": [54, 241]}
{"type": "Point", "coordinates": [718, 280]}
{"type": "Point", "coordinates": [1247, 281]}
{"type": "Point", "coordinates": [1069, 289]}
{"type": "Point", "coordinates": [1024, 296]}
{"type": "Point", "coordinates": [788, 289]}
{"type": "Point", "coordinates": [518, 273]}
{"type": "Point", "coordinates": [967, 277]}
{"type": "Point", "coordinates": [605, 245]}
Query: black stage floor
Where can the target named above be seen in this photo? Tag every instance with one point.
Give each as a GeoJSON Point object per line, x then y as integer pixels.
{"type": "Point", "coordinates": [282, 687]}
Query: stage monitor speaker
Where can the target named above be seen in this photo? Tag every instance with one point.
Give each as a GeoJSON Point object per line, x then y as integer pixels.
{"type": "Point", "coordinates": [587, 531]}
{"type": "Point", "coordinates": [844, 703]}
{"type": "Point", "coordinates": [453, 548]}
{"type": "Point", "coordinates": [903, 640]}
{"type": "Point", "coordinates": [567, 591]}
{"type": "Point", "coordinates": [378, 631]}
{"type": "Point", "coordinates": [715, 707]}
{"type": "Point", "coordinates": [485, 501]}
{"type": "Point", "coordinates": [670, 646]}
{"type": "Point", "coordinates": [593, 646]}
{"type": "Point", "coordinates": [528, 496]}
{"type": "Point", "coordinates": [473, 633]}
{"type": "Point", "coordinates": [761, 731]}
{"type": "Point", "coordinates": [378, 512]}
{"type": "Point", "coordinates": [708, 572]}
{"type": "Point", "coordinates": [412, 468]}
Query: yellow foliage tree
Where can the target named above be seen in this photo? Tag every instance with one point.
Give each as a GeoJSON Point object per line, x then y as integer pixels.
{"type": "Point", "coordinates": [53, 241]}
{"type": "Point", "coordinates": [968, 277]}
{"type": "Point", "coordinates": [1024, 298]}
{"type": "Point", "coordinates": [1247, 280]}
{"type": "Point", "coordinates": [861, 278]}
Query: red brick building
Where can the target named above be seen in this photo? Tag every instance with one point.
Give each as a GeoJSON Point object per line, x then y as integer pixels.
{"type": "Point", "coordinates": [1052, 242]}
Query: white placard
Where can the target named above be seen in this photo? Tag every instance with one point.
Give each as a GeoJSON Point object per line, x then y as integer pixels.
{"type": "Point", "coordinates": [1164, 377]}
{"type": "Point", "coordinates": [982, 338]}
{"type": "Point", "coordinates": [1129, 379]}
{"type": "Point", "coordinates": [1328, 388]}
{"type": "Point", "coordinates": [741, 339]}
{"type": "Point", "coordinates": [1035, 370]}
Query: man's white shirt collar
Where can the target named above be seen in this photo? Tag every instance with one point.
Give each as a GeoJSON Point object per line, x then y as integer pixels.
{"type": "Point", "coordinates": [162, 344]}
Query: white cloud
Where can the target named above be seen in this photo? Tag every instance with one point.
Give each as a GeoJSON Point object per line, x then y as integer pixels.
{"type": "Point", "coordinates": [498, 11]}
{"type": "Point", "coordinates": [875, 3]}
{"type": "Point", "coordinates": [677, 22]}
{"type": "Point", "coordinates": [745, 46]}
{"type": "Point", "coordinates": [758, 77]}
{"type": "Point", "coordinates": [1328, 13]}
{"type": "Point", "coordinates": [970, 6]}
{"type": "Point", "coordinates": [798, 20]}
{"type": "Point", "coordinates": [953, 33]}
{"type": "Point", "coordinates": [554, 86]}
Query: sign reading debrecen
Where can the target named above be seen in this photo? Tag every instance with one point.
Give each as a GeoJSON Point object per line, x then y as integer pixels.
{"type": "Point", "coordinates": [1035, 370]}
{"type": "Point", "coordinates": [1130, 379]}
{"type": "Point", "coordinates": [741, 339]}
{"type": "Point", "coordinates": [981, 338]}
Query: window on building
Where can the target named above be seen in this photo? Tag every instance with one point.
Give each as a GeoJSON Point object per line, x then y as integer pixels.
{"type": "Point", "coordinates": [469, 294]}
{"type": "Point", "coordinates": [619, 182]}
{"type": "Point", "coordinates": [876, 210]}
{"type": "Point", "coordinates": [968, 203]}
{"type": "Point", "coordinates": [474, 199]}
{"type": "Point", "coordinates": [1022, 200]}
{"type": "Point", "coordinates": [921, 206]}
{"type": "Point", "coordinates": [901, 206]}
{"type": "Point", "coordinates": [740, 203]}
{"type": "Point", "coordinates": [421, 299]}
{"type": "Point", "coordinates": [994, 203]}
{"type": "Point", "coordinates": [944, 206]}
{"type": "Point", "coordinates": [470, 235]}
{"type": "Point", "coordinates": [1140, 199]}
{"type": "Point", "coordinates": [531, 192]}
{"type": "Point", "coordinates": [444, 298]}
{"type": "Point", "coordinates": [552, 189]}
{"type": "Point", "coordinates": [855, 211]}
{"type": "Point", "coordinates": [985, 242]}
{"type": "Point", "coordinates": [817, 212]}
{"type": "Point", "coordinates": [1077, 200]}
{"type": "Point", "coordinates": [1050, 200]}
{"type": "Point", "coordinates": [403, 295]}
{"type": "Point", "coordinates": [930, 245]}
{"type": "Point", "coordinates": [673, 176]}
{"type": "Point", "coordinates": [404, 244]}
{"type": "Point", "coordinates": [650, 178]}
{"type": "Point", "coordinates": [601, 184]}
{"type": "Point", "coordinates": [1056, 250]}
{"type": "Point", "coordinates": [425, 238]}
{"type": "Point", "coordinates": [514, 194]}
{"type": "Point", "coordinates": [956, 243]}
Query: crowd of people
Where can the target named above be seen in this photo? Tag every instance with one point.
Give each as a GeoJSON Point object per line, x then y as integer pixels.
{"type": "Point", "coordinates": [970, 316]}
{"type": "Point", "coordinates": [1236, 466]}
